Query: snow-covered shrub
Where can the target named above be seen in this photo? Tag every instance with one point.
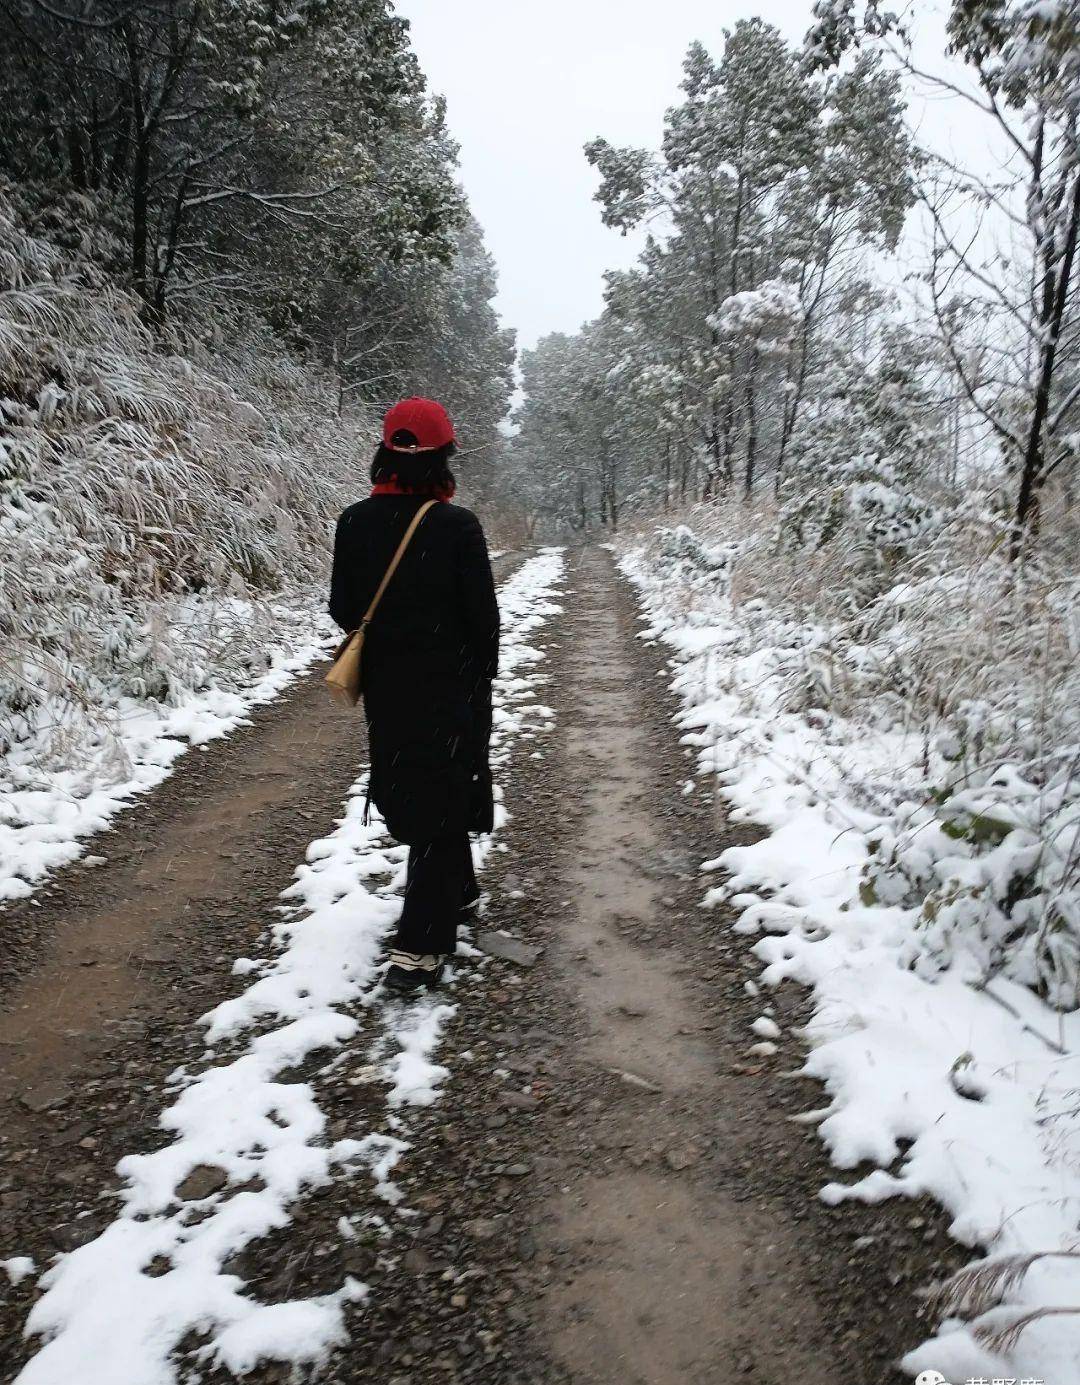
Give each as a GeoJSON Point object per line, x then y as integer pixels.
{"type": "Point", "coordinates": [965, 669]}
{"type": "Point", "coordinates": [852, 481]}
{"type": "Point", "coordinates": [941, 637]}
{"type": "Point", "coordinates": [92, 225]}
{"type": "Point", "coordinates": [152, 495]}
{"type": "Point", "coordinates": [680, 552]}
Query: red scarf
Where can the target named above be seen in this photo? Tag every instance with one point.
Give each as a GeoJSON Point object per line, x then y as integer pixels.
{"type": "Point", "coordinates": [394, 487]}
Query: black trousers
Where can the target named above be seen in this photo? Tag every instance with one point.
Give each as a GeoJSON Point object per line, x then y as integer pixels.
{"type": "Point", "coordinates": [440, 883]}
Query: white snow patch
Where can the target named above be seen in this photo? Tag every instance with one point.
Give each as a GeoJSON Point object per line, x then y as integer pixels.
{"type": "Point", "coordinates": [17, 1267]}
{"type": "Point", "coordinates": [46, 815]}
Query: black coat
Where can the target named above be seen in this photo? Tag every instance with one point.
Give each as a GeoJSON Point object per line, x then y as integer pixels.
{"type": "Point", "coordinates": [429, 656]}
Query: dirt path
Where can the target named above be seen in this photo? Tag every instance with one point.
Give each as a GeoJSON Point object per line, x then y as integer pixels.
{"type": "Point", "coordinates": [619, 1181]}
{"type": "Point", "coordinates": [675, 1280]}
{"type": "Point", "coordinates": [189, 876]}
{"type": "Point", "coordinates": [613, 1192]}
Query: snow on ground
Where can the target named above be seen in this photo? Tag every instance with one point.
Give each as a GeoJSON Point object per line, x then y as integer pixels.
{"type": "Point", "coordinates": [47, 814]}
{"type": "Point", "coordinates": [967, 1095]}
{"type": "Point", "coordinates": [116, 1309]}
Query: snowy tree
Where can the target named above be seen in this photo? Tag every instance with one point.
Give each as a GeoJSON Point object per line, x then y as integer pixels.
{"type": "Point", "coordinates": [550, 447]}
{"type": "Point", "coordinates": [767, 178]}
{"type": "Point", "coordinates": [432, 329]}
{"type": "Point", "coordinates": [854, 198]}
{"type": "Point", "coordinates": [744, 123]}
{"type": "Point", "coordinates": [1004, 296]}
{"type": "Point", "coordinates": [862, 474]}
{"type": "Point", "coordinates": [224, 136]}
{"type": "Point", "coordinates": [570, 437]}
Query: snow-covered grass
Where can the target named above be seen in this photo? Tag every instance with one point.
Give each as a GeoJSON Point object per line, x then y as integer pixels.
{"type": "Point", "coordinates": [116, 1309]}
{"type": "Point", "coordinates": [164, 505]}
{"type": "Point", "coordinates": [49, 810]}
{"type": "Point", "coordinates": [911, 757]}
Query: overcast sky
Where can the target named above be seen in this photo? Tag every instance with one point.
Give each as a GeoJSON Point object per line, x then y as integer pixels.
{"type": "Point", "coordinates": [527, 83]}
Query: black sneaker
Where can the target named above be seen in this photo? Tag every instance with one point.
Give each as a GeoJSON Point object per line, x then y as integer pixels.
{"type": "Point", "coordinates": [410, 972]}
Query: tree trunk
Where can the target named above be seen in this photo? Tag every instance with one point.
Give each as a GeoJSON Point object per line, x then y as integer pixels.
{"type": "Point", "coordinates": [140, 170]}
{"type": "Point", "coordinates": [716, 450]}
{"type": "Point", "coordinates": [140, 189]}
{"type": "Point", "coordinates": [751, 423]}
{"type": "Point", "coordinates": [727, 431]}
{"type": "Point", "coordinates": [163, 275]}
{"type": "Point", "coordinates": [791, 405]}
{"type": "Point", "coordinates": [1056, 287]}
{"type": "Point", "coordinates": [76, 142]}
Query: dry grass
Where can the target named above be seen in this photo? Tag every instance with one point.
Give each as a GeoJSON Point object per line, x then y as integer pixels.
{"type": "Point", "coordinates": [967, 661]}
{"type": "Point", "coordinates": [144, 483]}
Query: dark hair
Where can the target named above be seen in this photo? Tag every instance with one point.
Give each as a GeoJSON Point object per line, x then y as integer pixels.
{"type": "Point", "coordinates": [422, 472]}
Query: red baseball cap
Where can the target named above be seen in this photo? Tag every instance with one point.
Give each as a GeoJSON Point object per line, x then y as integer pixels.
{"type": "Point", "coordinates": [426, 420]}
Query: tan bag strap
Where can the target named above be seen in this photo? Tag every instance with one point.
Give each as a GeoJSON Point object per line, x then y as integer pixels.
{"type": "Point", "coordinates": [396, 559]}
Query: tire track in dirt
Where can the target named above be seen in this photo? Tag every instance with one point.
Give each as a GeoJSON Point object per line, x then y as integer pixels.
{"type": "Point", "coordinates": [675, 1283]}
{"type": "Point", "coordinates": [198, 859]}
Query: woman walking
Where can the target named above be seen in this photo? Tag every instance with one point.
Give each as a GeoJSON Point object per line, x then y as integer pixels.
{"type": "Point", "coordinates": [429, 658]}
